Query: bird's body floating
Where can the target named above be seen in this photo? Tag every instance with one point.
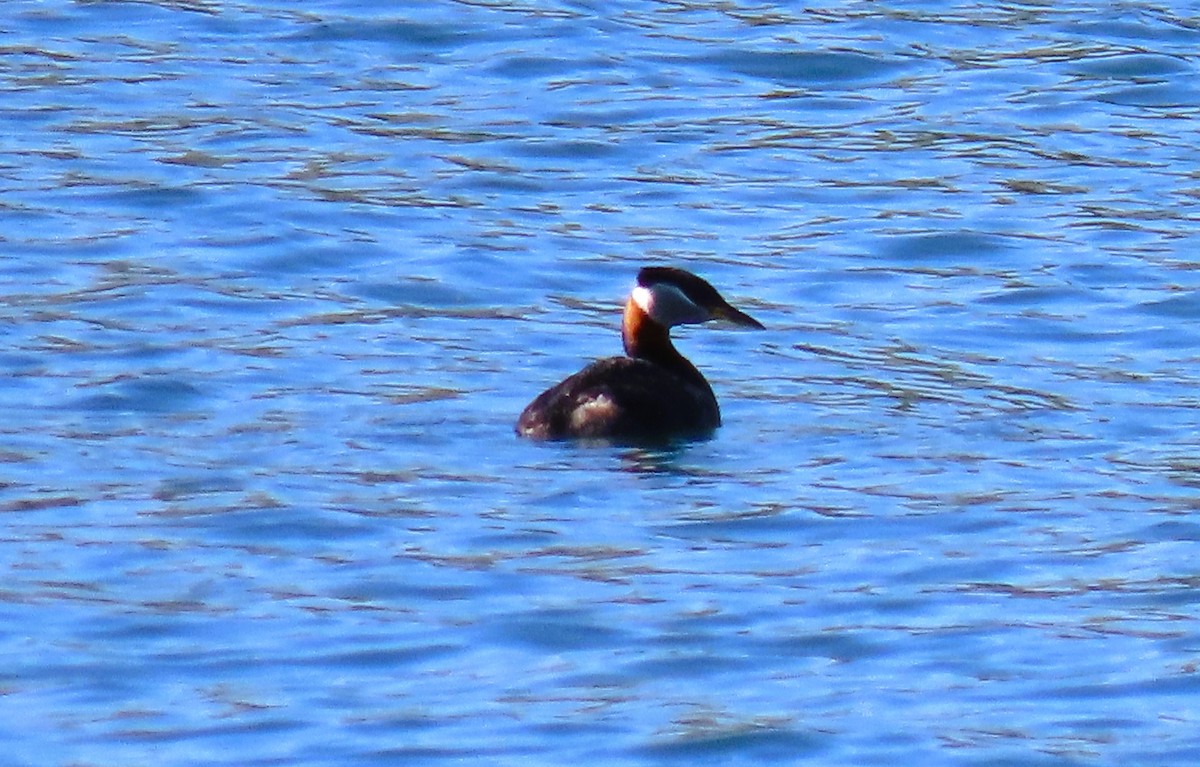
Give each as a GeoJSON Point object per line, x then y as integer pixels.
{"type": "Point", "coordinates": [653, 393]}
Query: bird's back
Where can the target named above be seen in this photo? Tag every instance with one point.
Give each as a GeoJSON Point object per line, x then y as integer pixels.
{"type": "Point", "coordinates": [621, 398]}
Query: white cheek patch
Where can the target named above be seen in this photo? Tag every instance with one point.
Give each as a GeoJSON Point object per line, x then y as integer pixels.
{"type": "Point", "coordinates": [667, 305]}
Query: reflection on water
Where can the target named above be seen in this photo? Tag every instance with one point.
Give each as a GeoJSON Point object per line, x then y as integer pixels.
{"type": "Point", "coordinates": [277, 282]}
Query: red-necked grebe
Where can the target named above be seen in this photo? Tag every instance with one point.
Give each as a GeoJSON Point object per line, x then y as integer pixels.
{"type": "Point", "coordinates": [654, 392]}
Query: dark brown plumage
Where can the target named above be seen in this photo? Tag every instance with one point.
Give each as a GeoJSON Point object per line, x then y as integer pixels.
{"type": "Point", "coordinates": [654, 392]}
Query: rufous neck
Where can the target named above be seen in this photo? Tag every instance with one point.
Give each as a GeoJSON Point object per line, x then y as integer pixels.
{"type": "Point", "coordinates": [645, 339]}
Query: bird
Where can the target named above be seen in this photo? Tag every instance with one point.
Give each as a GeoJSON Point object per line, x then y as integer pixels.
{"type": "Point", "coordinates": [653, 393]}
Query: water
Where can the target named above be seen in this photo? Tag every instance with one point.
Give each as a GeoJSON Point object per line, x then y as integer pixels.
{"type": "Point", "coordinates": [277, 280]}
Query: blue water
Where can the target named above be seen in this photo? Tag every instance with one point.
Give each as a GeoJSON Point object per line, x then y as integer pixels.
{"type": "Point", "coordinates": [276, 279]}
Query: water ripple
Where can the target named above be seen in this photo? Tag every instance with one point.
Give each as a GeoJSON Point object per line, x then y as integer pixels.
{"type": "Point", "coordinates": [278, 280]}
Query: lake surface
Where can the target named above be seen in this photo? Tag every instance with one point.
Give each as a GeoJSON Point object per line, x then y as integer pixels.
{"type": "Point", "coordinates": [277, 278]}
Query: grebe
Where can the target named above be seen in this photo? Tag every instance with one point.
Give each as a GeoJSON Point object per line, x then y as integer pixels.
{"type": "Point", "coordinates": [654, 392]}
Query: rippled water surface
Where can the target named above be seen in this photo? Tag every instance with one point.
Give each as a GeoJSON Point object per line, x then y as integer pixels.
{"type": "Point", "coordinates": [276, 279]}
